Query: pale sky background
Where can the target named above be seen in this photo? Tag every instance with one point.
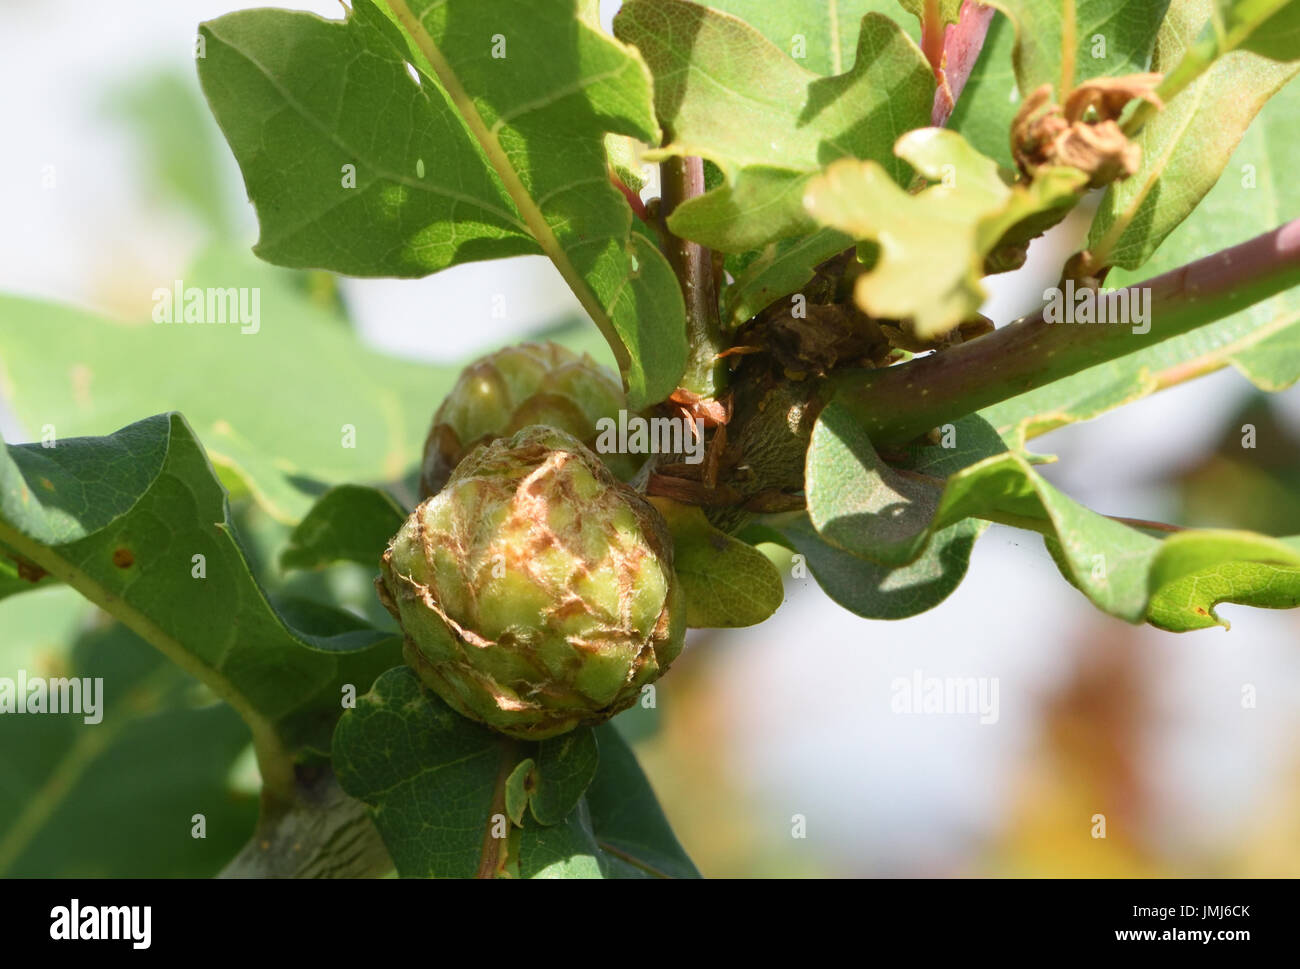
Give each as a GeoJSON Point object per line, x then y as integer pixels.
{"type": "Point", "coordinates": [897, 794]}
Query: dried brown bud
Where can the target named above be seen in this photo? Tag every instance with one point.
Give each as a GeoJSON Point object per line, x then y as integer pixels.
{"type": "Point", "coordinates": [1100, 149]}
{"type": "Point", "coordinates": [1108, 96]}
{"type": "Point", "coordinates": [1084, 133]}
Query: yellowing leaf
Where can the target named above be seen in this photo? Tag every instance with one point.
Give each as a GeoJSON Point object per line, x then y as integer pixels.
{"type": "Point", "coordinates": [932, 244]}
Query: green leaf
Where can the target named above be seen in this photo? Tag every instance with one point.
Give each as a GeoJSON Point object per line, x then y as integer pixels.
{"type": "Point", "coordinates": [1186, 145]}
{"type": "Point", "coordinates": [842, 474]}
{"type": "Point", "coordinates": [932, 244]}
{"type": "Point", "coordinates": [567, 850]}
{"type": "Point", "coordinates": [1064, 42]}
{"type": "Point", "coordinates": [430, 777]}
{"type": "Point", "coordinates": [821, 36]}
{"type": "Point", "coordinates": [625, 814]}
{"type": "Point", "coordinates": [350, 523]}
{"type": "Point", "coordinates": [728, 583]}
{"type": "Point", "coordinates": [1197, 570]}
{"type": "Point", "coordinates": [436, 783]}
{"type": "Point", "coordinates": [872, 510]}
{"type": "Point", "coordinates": [294, 119]}
{"type": "Point", "coordinates": [781, 269]}
{"type": "Point", "coordinates": [624, 155]}
{"type": "Point", "coordinates": [123, 519]}
{"type": "Point", "coordinates": [1268, 27]}
{"type": "Point", "coordinates": [1006, 488]}
{"type": "Point", "coordinates": [726, 93]}
{"type": "Point", "coordinates": [475, 130]}
{"type": "Point", "coordinates": [343, 585]}
{"type": "Point", "coordinates": [115, 798]}
{"type": "Point", "coordinates": [1255, 193]}
{"type": "Point", "coordinates": [518, 788]}
{"type": "Point", "coordinates": [875, 591]}
{"type": "Point", "coordinates": [317, 389]}
{"type": "Point", "coordinates": [565, 767]}
{"type": "Point", "coordinates": [1194, 571]}
{"type": "Point", "coordinates": [1123, 570]}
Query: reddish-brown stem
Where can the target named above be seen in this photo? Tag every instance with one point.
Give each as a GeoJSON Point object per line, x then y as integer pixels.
{"type": "Point", "coordinates": [492, 857]}
{"type": "Point", "coordinates": [901, 402]}
{"type": "Point", "coordinates": [633, 199]}
{"type": "Point", "coordinates": [683, 178]}
{"type": "Point", "coordinates": [962, 43]}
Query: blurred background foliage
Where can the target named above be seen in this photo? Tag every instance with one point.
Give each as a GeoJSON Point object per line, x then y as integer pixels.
{"type": "Point", "coordinates": [760, 734]}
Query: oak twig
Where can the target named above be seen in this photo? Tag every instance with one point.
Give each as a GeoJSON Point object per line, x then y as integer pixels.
{"type": "Point", "coordinates": [901, 402]}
